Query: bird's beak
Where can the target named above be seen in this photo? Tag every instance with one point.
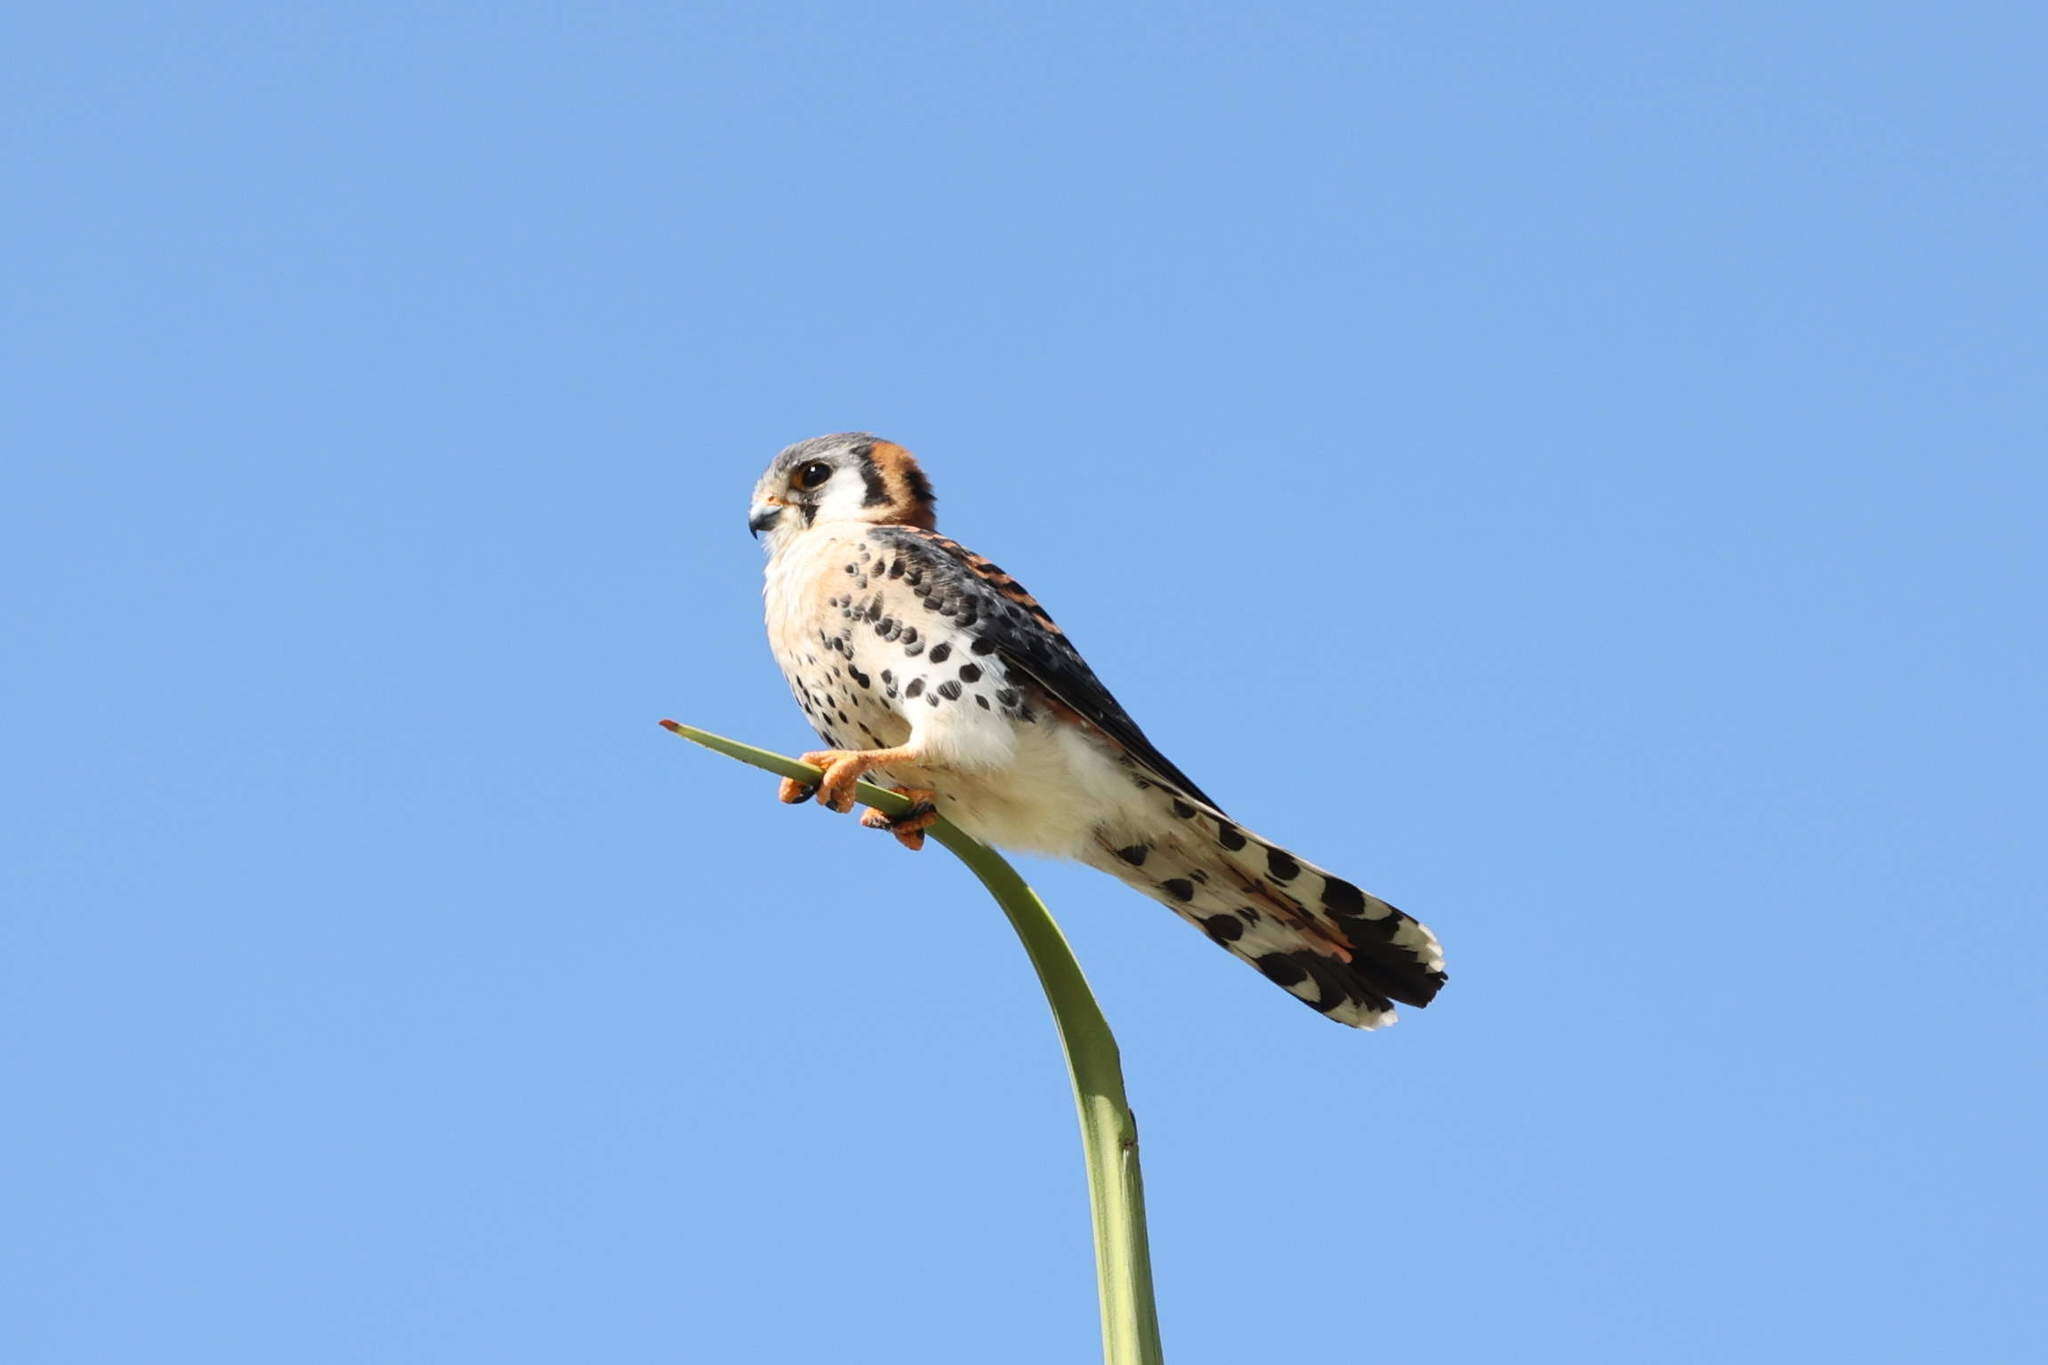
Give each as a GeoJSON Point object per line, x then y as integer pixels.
{"type": "Point", "coordinates": [761, 516]}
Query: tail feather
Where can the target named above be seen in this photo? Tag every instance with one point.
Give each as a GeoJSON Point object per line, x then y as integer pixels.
{"type": "Point", "coordinates": [1319, 937]}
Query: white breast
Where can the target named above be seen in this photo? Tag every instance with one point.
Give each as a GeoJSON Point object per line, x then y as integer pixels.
{"type": "Point", "coordinates": [1059, 786]}
{"type": "Point", "coordinates": [861, 647]}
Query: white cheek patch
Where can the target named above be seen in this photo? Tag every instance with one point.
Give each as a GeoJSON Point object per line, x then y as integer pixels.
{"type": "Point", "coordinates": [841, 498]}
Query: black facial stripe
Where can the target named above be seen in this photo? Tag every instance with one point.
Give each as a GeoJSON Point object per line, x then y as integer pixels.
{"type": "Point", "coordinates": [920, 487]}
{"type": "Point", "coordinates": [878, 492]}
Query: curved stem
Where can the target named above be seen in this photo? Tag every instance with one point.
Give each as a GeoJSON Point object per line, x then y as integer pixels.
{"type": "Point", "coordinates": [1109, 1135]}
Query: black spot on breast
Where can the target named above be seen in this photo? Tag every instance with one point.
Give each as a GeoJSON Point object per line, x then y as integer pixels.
{"type": "Point", "coordinates": [940, 653]}
{"type": "Point", "coordinates": [863, 679]}
{"type": "Point", "coordinates": [1183, 810]}
{"type": "Point", "coordinates": [932, 698]}
{"type": "Point", "coordinates": [916, 686]}
{"type": "Point", "coordinates": [969, 673]}
{"type": "Point", "coordinates": [895, 568]}
{"type": "Point", "coordinates": [1180, 888]}
{"type": "Point", "coordinates": [910, 635]}
{"type": "Point", "coordinates": [1224, 928]}
{"type": "Point", "coordinates": [911, 651]}
{"type": "Point", "coordinates": [949, 689]}
{"type": "Point", "coordinates": [1006, 696]}
{"type": "Point", "coordinates": [981, 701]}
{"type": "Point", "coordinates": [1229, 835]}
{"type": "Point", "coordinates": [1135, 854]}
{"type": "Point", "coordinates": [984, 645]}
{"type": "Point", "coordinates": [1281, 865]}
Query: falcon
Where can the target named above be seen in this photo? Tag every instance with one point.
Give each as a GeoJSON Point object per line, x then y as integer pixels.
{"type": "Point", "coordinates": [924, 666]}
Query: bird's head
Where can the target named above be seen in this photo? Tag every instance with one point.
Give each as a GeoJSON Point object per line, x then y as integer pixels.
{"type": "Point", "coordinates": [848, 477]}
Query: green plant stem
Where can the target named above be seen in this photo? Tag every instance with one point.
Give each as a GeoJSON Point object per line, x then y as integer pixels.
{"type": "Point", "coordinates": [1109, 1135]}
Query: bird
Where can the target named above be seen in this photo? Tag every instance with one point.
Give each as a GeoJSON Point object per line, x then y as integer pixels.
{"type": "Point", "coordinates": [925, 666]}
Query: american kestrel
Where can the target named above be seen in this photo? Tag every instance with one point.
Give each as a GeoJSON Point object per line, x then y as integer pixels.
{"type": "Point", "coordinates": [929, 668]}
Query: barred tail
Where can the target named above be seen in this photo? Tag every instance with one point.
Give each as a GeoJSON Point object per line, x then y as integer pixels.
{"type": "Point", "coordinates": [1317, 936]}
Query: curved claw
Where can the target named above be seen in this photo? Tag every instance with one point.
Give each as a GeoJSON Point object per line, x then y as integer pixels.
{"type": "Point", "coordinates": [910, 826]}
{"type": "Point", "coordinates": [841, 770]}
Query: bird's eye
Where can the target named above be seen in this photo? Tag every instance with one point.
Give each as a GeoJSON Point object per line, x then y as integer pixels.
{"type": "Point", "coordinates": [813, 474]}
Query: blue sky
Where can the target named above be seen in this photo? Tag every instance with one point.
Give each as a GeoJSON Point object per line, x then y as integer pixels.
{"type": "Point", "coordinates": [1577, 470]}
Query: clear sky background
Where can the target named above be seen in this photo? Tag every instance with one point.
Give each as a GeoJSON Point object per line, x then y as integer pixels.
{"type": "Point", "coordinates": [1578, 470]}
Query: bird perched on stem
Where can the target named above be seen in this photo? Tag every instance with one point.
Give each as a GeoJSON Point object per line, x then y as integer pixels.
{"type": "Point", "coordinates": [925, 666]}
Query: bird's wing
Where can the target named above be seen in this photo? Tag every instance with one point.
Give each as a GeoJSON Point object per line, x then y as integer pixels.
{"type": "Point", "coordinates": [1348, 954]}
{"type": "Point", "coordinates": [1005, 619]}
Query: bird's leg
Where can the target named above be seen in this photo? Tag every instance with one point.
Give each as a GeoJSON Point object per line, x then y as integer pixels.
{"type": "Point", "coordinates": [910, 826]}
{"type": "Point", "coordinates": [843, 768]}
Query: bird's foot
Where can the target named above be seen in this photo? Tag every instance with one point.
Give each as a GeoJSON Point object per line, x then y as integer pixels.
{"type": "Point", "coordinates": [910, 826]}
{"type": "Point", "coordinates": [840, 771]}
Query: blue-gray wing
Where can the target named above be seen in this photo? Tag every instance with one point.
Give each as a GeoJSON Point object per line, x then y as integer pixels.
{"type": "Point", "coordinates": [981, 599]}
{"type": "Point", "coordinates": [1319, 937]}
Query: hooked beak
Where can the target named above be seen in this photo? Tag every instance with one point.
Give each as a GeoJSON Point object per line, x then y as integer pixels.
{"type": "Point", "coordinates": [761, 517]}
